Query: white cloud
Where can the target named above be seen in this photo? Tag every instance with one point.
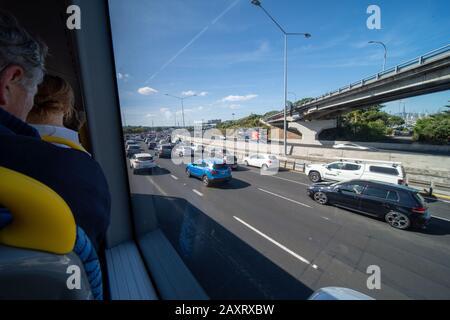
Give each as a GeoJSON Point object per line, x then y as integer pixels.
{"type": "Point", "coordinates": [149, 115]}
{"type": "Point", "coordinates": [191, 93]}
{"type": "Point", "coordinates": [234, 106]}
{"type": "Point", "coordinates": [166, 112]}
{"type": "Point", "coordinates": [239, 98]}
{"type": "Point", "coordinates": [123, 76]}
{"type": "Point", "coordinates": [146, 91]}
{"type": "Point", "coordinates": [188, 93]}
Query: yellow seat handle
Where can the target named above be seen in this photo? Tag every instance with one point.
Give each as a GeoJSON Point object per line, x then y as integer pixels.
{"type": "Point", "coordinates": [42, 220]}
{"type": "Point", "coordinates": [63, 141]}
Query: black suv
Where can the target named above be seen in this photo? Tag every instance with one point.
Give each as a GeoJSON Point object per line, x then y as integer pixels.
{"type": "Point", "coordinates": [400, 206]}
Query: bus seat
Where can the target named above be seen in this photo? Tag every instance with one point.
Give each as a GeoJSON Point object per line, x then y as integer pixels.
{"type": "Point", "coordinates": [36, 275]}
{"type": "Point", "coordinates": [41, 218]}
{"type": "Point", "coordinates": [63, 141]}
{"type": "Point", "coordinates": [41, 245]}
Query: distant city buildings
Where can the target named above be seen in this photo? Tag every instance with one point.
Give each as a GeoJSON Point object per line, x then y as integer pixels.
{"type": "Point", "coordinates": [411, 118]}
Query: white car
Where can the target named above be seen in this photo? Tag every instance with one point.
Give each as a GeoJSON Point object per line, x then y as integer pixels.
{"type": "Point", "coordinates": [184, 151]}
{"type": "Point", "coordinates": [345, 170]}
{"type": "Point", "coordinates": [351, 146]}
{"type": "Point", "coordinates": [142, 161]}
{"type": "Point", "coordinates": [197, 147]}
{"type": "Point", "coordinates": [262, 160]}
{"type": "Point", "coordinates": [128, 142]}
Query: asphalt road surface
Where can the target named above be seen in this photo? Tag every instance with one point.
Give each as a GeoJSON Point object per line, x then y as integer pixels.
{"type": "Point", "coordinates": [262, 237]}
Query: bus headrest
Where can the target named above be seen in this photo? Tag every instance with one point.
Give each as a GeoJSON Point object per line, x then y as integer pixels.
{"type": "Point", "coordinates": [42, 220]}
{"type": "Point", "coordinates": [63, 141]}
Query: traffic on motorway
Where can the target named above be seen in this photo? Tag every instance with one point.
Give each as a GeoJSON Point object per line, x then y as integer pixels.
{"type": "Point", "coordinates": [373, 188]}
{"type": "Point", "coordinates": [320, 222]}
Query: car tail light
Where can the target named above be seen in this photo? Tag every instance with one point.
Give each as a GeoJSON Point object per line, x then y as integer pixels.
{"type": "Point", "coordinates": [420, 210]}
{"type": "Point", "coordinates": [401, 181]}
{"type": "Point", "coordinates": [213, 172]}
{"type": "Point", "coordinates": [269, 162]}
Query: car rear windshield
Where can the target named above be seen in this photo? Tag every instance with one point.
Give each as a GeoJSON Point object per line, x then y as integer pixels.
{"type": "Point", "coordinates": [272, 157]}
{"type": "Point", "coordinates": [145, 158]}
{"type": "Point", "coordinates": [135, 147]}
{"type": "Point", "coordinates": [167, 147]}
{"type": "Point", "coordinates": [220, 166]}
{"type": "Point", "coordinates": [384, 170]}
{"type": "Point", "coordinates": [419, 198]}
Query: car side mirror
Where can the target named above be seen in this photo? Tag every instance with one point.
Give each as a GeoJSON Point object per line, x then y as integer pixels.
{"type": "Point", "coordinates": [338, 190]}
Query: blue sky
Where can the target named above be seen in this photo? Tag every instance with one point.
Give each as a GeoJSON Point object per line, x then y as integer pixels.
{"type": "Point", "coordinates": [231, 55]}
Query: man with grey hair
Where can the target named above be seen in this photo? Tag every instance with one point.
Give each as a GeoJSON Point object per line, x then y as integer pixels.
{"type": "Point", "coordinates": [22, 61]}
{"type": "Point", "coordinates": [73, 174]}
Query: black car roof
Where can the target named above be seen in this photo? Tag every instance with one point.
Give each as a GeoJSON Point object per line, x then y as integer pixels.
{"type": "Point", "coordinates": [386, 184]}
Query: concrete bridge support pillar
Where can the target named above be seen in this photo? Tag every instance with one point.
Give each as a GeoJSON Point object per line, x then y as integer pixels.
{"type": "Point", "coordinates": [310, 130]}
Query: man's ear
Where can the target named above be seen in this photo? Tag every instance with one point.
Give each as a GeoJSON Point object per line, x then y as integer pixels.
{"type": "Point", "coordinates": [9, 78]}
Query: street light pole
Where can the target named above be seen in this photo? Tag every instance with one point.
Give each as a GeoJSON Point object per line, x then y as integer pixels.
{"type": "Point", "coordinates": [182, 104]}
{"type": "Point", "coordinates": [286, 34]}
{"type": "Point", "coordinates": [285, 94]}
{"type": "Point", "coordinates": [385, 52]}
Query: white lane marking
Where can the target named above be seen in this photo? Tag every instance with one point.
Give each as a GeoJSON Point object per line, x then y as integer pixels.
{"type": "Point", "coordinates": [297, 182]}
{"type": "Point", "coordinates": [279, 245]}
{"type": "Point", "coordinates": [198, 192]}
{"type": "Point", "coordinates": [440, 200]}
{"type": "Point", "coordinates": [441, 218]}
{"type": "Point", "coordinates": [276, 177]}
{"type": "Point", "coordinates": [287, 199]}
{"type": "Point", "coordinates": [156, 186]}
{"type": "Point", "coordinates": [326, 218]}
{"type": "Point", "coordinates": [173, 177]}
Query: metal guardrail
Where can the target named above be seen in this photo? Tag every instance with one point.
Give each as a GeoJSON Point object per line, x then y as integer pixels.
{"type": "Point", "coordinates": [432, 55]}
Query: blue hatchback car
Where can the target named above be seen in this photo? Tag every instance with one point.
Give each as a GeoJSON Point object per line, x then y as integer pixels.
{"type": "Point", "coordinates": [209, 170]}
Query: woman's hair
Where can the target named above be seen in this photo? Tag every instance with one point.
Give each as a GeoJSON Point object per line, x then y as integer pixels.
{"type": "Point", "coordinates": [55, 96]}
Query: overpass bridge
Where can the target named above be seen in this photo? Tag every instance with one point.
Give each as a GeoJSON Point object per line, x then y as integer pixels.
{"type": "Point", "coordinates": [426, 74]}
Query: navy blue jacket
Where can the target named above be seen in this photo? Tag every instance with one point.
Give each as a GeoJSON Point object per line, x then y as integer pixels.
{"type": "Point", "coordinates": [73, 174]}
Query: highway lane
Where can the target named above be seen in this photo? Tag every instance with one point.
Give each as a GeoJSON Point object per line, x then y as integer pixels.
{"type": "Point", "coordinates": [316, 245]}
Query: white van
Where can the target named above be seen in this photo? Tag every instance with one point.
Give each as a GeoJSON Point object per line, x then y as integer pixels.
{"type": "Point", "coordinates": [348, 169]}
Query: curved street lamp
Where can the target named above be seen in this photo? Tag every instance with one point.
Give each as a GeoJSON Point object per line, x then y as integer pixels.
{"type": "Point", "coordinates": [385, 51]}
{"type": "Point", "coordinates": [182, 103]}
{"type": "Point", "coordinates": [257, 3]}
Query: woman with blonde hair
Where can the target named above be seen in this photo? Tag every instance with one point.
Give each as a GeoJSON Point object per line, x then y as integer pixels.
{"type": "Point", "coordinates": [53, 105]}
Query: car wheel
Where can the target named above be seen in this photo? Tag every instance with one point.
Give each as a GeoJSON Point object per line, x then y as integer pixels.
{"type": "Point", "coordinates": [206, 181]}
{"type": "Point", "coordinates": [398, 220]}
{"type": "Point", "coordinates": [314, 176]}
{"type": "Point", "coordinates": [134, 171]}
{"type": "Point", "coordinates": [246, 163]}
{"type": "Point", "coordinates": [265, 167]}
{"type": "Point", "coordinates": [150, 171]}
{"type": "Point", "coordinates": [188, 173]}
{"type": "Point", "coordinates": [321, 198]}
